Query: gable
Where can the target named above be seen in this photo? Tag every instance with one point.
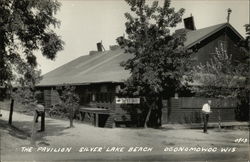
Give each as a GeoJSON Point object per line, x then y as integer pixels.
{"type": "Point", "coordinates": [205, 48]}
{"type": "Point", "coordinates": [194, 37]}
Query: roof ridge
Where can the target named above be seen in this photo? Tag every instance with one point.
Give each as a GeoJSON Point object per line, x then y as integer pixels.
{"type": "Point", "coordinates": [210, 26]}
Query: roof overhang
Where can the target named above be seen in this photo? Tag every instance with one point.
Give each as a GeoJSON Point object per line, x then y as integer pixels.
{"type": "Point", "coordinates": [78, 84]}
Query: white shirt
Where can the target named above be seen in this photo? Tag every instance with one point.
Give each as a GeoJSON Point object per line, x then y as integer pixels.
{"type": "Point", "coordinates": [39, 107]}
{"type": "Point", "coordinates": [206, 108]}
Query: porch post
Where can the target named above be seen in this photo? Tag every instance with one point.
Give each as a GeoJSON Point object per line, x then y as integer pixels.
{"type": "Point", "coordinates": [96, 119]}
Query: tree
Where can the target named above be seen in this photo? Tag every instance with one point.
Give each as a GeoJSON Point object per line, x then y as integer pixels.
{"type": "Point", "coordinates": [157, 66]}
{"type": "Point", "coordinates": [247, 40]}
{"type": "Point", "coordinates": [221, 77]}
{"type": "Point", "coordinates": [25, 91]}
{"type": "Point", "coordinates": [70, 102]}
{"type": "Point", "coordinates": [221, 72]}
{"type": "Point", "coordinates": [25, 26]}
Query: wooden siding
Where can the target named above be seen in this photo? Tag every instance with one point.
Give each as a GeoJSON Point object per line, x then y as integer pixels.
{"type": "Point", "coordinates": [98, 96]}
{"type": "Point", "coordinates": [51, 97]}
{"type": "Point", "coordinates": [188, 110]}
{"type": "Point", "coordinates": [165, 113]}
{"type": "Point", "coordinates": [181, 110]}
{"type": "Point", "coordinates": [47, 98]}
{"type": "Point", "coordinates": [104, 97]}
{"type": "Point", "coordinates": [205, 50]}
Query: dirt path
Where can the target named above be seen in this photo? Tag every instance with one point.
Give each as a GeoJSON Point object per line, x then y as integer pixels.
{"type": "Point", "coordinates": [57, 135]}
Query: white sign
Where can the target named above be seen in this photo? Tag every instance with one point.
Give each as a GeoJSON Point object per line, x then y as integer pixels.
{"type": "Point", "coordinates": [127, 100]}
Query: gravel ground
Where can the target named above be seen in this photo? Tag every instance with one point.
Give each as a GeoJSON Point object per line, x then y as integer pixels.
{"type": "Point", "coordinates": [116, 140]}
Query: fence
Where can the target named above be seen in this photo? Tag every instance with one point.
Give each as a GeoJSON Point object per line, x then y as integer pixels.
{"type": "Point", "coordinates": [188, 109]}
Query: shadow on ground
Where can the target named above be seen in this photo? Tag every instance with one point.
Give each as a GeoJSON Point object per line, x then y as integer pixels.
{"type": "Point", "coordinates": [22, 130]}
{"type": "Point", "coordinates": [13, 131]}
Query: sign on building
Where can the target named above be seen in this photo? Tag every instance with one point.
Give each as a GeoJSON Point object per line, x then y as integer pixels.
{"type": "Point", "coordinates": [127, 100]}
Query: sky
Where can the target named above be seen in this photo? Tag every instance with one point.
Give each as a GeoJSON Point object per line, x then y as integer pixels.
{"type": "Point", "coordinates": [86, 22]}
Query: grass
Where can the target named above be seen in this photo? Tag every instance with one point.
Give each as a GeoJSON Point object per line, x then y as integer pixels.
{"type": "Point", "coordinates": [29, 110]}
{"type": "Point", "coordinates": [18, 107]}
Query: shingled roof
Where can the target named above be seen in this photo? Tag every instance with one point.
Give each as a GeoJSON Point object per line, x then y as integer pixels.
{"type": "Point", "coordinates": [105, 66]}
{"type": "Point", "coordinates": [95, 68]}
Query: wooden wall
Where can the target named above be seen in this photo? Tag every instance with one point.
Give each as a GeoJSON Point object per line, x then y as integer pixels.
{"type": "Point", "coordinates": [103, 96]}
{"type": "Point", "coordinates": [188, 110]}
{"type": "Point", "coordinates": [205, 50]}
{"type": "Point", "coordinates": [94, 95]}
{"type": "Point", "coordinates": [181, 110]}
{"type": "Point", "coordinates": [98, 96]}
{"type": "Point", "coordinates": [51, 97]}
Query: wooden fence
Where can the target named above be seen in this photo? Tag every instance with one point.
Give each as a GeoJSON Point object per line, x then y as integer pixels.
{"type": "Point", "coordinates": [188, 110]}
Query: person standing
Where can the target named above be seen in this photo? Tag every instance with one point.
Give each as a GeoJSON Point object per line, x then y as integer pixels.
{"type": "Point", "coordinates": [39, 111]}
{"type": "Point", "coordinates": [206, 110]}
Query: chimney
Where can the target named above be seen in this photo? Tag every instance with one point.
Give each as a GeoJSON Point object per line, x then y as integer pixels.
{"type": "Point", "coordinates": [189, 23]}
{"type": "Point", "coordinates": [99, 46]}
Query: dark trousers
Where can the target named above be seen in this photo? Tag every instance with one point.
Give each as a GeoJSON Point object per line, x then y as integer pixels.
{"type": "Point", "coordinates": [205, 119]}
{"type": "Point", "coordinates": [42, 115]}
{"type": "Point", "coordinates": [39, 113]}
